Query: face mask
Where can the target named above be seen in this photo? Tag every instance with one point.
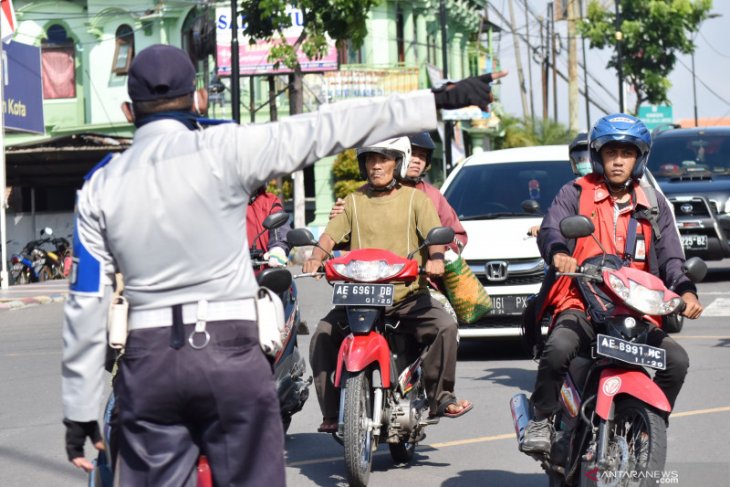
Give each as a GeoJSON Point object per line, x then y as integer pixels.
{"type": "Point", "coordinates": [584, 168]}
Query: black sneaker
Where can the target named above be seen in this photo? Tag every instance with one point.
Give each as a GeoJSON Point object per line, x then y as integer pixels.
{"type": "Point", "coordinates": [538, 435]}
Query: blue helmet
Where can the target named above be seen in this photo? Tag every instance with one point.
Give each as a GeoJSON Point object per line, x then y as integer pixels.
{"type": "Point", "coordinates": [624, 129]}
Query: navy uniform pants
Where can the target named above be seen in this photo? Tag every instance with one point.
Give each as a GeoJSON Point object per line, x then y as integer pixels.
{"type": "Point", "coordinates": [220, 401]}
{"type": "Point", "coordinates": [573, 333]}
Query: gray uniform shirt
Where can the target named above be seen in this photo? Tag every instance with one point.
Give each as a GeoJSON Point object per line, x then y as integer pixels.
{"type": "Point", "coordinates": [170, 215]}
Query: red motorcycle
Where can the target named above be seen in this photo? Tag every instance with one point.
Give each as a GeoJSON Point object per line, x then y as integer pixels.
{"type": "Point", "coordinates": [378, 369]}
{"type": "Point", "coordinates": [611, 427]}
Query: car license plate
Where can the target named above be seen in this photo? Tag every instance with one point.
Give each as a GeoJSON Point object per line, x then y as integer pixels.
{"type": "Point", "coordinates": [631, 353]}
{"type": "Point", "coordinates": [350, 294]}
{"type": "Point", "coordinates": [694, 242]}
{"type": "Point", "coordinates": [508, 305]}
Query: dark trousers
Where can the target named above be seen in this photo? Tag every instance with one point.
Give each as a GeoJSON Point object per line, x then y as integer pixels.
{"type": "Point", "coordinates": [419, 315]}
{"type": "Point", "coordinates": [219, 401]}
{"type": "Point", "coordinates": [572, 334]}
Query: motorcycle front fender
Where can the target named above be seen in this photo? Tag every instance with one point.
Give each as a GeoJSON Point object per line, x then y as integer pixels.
{"type": "Point", "coordinates": [357, 352]}
{"type": "Point", "coordinates": [635, 383]}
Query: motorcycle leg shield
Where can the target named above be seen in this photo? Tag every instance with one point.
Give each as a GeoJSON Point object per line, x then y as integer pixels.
{"type": "Point", "coordinates": [357, 352]}
{"type": "Point", "coordinates": [632, 382]}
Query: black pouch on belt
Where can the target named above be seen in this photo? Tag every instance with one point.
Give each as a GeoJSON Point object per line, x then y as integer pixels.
{"type": "Point", "coordinates": [177, 330]}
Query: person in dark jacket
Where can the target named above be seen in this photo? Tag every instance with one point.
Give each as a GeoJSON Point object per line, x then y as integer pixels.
{"type": "Point", "coordinates": [619, 145]}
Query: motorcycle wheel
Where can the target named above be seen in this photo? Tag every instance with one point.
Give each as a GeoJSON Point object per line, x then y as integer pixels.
{"type": "Point", "coordinates": [22, 278]}
{"type": "Point", "coordinates": [638, 440]}
{"type": "Point", "coordinates": [358, 434]}
{"type": "Point", "coordinates": [45, 275]}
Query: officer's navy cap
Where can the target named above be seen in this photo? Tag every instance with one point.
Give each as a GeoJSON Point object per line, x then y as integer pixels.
{"type": "Point", "coordinates": [160, 71]}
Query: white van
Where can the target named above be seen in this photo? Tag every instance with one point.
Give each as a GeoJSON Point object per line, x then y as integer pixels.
{"type": "Point", "coordinates": [487, 191]}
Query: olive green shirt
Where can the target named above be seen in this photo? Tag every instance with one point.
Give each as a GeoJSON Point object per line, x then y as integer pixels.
{"type": "Point", "coordinates": [398, 222]}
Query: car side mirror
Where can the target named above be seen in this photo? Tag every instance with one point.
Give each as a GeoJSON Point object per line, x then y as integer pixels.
{"type": "Point", "coordinates": [695, 269]}
{"type": "Point", "coordinates": [300, 237]}
{"type": "Point", "coordinates": [275, 220]}
{"type": "Point", "coordinates": [576, 226]}
{"type": "Point", "coordinates": [530, 206]}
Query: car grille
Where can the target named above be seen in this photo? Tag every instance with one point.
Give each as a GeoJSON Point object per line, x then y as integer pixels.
{"type": "Point", "coordinates": [696, 207]}
{"type": "Point", "coordinates": [513, 272]}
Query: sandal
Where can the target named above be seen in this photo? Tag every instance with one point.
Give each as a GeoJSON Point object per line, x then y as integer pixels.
{"type": "Point", "coordinates": [443, 411]}
{"type": "Point", "coordinates": [329, 425]}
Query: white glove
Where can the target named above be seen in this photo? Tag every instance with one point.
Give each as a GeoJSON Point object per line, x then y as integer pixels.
{"type": "Point", "coordinates": [276, 257]}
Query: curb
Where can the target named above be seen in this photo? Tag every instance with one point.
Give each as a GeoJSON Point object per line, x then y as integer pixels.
{"type": "Point", "coordinates": [19, 303]}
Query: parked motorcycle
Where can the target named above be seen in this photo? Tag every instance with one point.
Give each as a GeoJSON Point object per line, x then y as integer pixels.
{"type": "Point", "coordinates": [289, 366]}
{"type": "Point", "coordinates": [30, 265]}
{"type": "Point", "coordinates": [611, 427]}
{"type": "Point", "coordinates": [383, 398]}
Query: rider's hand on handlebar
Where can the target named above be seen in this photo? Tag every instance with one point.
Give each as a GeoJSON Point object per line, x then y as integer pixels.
{"type": "Point", "coordinates": [434, 267]}
{"type": "Point", "coordinates": [564, 263]}
{"type": "Point", "coordinates": [693, 309]}
{"type": "Point", "coordinates": [276, 257]}
{"type": "Point", "coordinates": [311, 266]}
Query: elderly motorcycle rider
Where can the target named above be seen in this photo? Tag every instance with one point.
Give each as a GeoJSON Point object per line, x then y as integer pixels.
{"type": "Point", "coordinates": [391, 216]}
{"type": "Point", "coordinates": [615, 201]}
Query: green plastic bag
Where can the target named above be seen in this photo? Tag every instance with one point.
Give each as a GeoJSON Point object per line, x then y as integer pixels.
{"type": "Point", "coordinates": [466, 294]}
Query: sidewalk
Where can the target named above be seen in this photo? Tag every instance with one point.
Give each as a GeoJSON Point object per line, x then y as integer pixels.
{"type": "Point", "coordinates": [16, 297]}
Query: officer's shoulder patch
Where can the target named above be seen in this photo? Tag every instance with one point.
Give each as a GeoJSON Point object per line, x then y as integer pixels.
{"type": "Point", "coordinates": [106, 160]}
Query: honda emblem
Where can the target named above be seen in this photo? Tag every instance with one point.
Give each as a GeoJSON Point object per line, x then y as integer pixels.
{"type": "Point", "coordinates": [686, 208]}
{"type": "Point", "coordinates": [496, 271]}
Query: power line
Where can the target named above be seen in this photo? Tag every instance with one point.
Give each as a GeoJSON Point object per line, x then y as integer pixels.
{"type": "Point", "coordinates": [713, 48]}
{"type": "Point", "coordinates": [724, 100]}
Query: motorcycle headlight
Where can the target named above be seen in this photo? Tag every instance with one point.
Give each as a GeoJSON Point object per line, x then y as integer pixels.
{"type": "Point", "coordinates": [643, 299]}
{"type": "Point", "coordinates": [368, 270]}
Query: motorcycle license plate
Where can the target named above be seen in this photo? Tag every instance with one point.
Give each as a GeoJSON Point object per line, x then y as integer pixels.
{"type": "Point", "coordinates": [631, 353]}
{"type": "Point", "coordinates": [694, 242]}
{"type": "Point", "coordinates": [351, 294]}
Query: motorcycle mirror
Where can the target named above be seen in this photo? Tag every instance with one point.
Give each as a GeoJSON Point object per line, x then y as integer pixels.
{"type": "Point", "coordinates": [277, 280]}
{"type": "Point", "coordinates": [530, 206]}
{"type": "Point", "coordinates": [275, 220]}
{"type": "Point", "coordinates": [440, 236]}
{"type": "Point", "coordinates": [576, 226]}
{"type": "Point", "coordinates": [300, 237]}
{"type": "Point", "coordinates": [46, 231]}
{"type": "Point", "coordinates": [695, 268]}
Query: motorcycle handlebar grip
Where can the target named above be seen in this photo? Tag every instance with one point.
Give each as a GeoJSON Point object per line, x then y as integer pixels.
{"type": "Point", "coordinates": [682, 306]}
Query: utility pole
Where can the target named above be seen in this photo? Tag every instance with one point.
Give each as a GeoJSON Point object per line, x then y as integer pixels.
{"type": "Point", "coordinates": [235, 68]}
{"type": "Point", "coordinates": [545, 46]}
{"type": "Point", "coordinates": [518, 61]}
{"type": "Point", "coordinates": [694, 87]}
{"type": "Point", "coordinates": [529, 63]}
{"type": "Point", "coordinates": [572, 69]}
{"type": "Point", "coordinates": [553, 37]}
{"type": "Point", "coordinates": [619, 61]}
{"type": "Point", "coordinates": [445, 57]}
{"type": "Point", "coordinates": [585, 73]}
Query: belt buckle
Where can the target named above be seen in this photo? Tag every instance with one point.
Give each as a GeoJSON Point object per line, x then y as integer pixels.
{"type": "Point", "coordinates": [200, 326]}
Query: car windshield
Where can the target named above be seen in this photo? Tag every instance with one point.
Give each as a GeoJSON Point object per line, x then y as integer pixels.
{"type": "Point", "coordinates": [498, 190]}
{"type": "Point", "coordinates": [687, 156]}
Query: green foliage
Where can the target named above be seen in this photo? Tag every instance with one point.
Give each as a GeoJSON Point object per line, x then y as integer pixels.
{"type": "Point", "coordinates": [653, 32]}
{"type": "Point", "coordinates": [523, 133]}
{"type": "Point", "coordinates": [342, 20]}
{"type": "Point", "coordinates": [346, 173]}
{"type": "Point", "coordinates": [285, 191]}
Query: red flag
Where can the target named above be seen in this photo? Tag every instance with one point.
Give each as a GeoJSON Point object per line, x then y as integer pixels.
{"type": "Point", "coordinates": [7, 28]}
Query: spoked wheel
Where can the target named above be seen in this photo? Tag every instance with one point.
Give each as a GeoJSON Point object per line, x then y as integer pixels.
{"type": "Point", "coordinates": [638, 443]}
{"type": "Point", "coordinates": [358, 435]}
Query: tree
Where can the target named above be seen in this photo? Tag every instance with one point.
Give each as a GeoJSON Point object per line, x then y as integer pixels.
{"type": "Point", "coordinates": [523, 133]}
{"type": "Point", "coordinates": [652, 32]}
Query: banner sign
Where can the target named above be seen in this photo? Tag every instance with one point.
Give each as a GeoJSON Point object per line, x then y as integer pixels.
{"type": "Point", "coordinates": [253, 58]}
{"type": "Point", "coordinates": [22, 88]}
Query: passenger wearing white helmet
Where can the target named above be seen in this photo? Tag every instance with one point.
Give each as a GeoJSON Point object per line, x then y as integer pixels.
{"type": "Point", "coordinates": [362, 224]}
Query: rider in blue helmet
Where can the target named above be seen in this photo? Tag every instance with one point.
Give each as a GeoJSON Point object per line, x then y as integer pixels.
{"type": "Point", "coordinates": [614, 198]}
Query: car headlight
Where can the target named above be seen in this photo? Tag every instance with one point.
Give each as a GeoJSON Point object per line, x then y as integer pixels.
{"type": "Point", "coordinates": [641, 298]}
{"type": "Point", "coordinates": [368, 270]}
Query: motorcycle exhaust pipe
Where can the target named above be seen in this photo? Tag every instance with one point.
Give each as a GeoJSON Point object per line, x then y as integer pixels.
{"type": "Point", "coordinates": [520, 407]}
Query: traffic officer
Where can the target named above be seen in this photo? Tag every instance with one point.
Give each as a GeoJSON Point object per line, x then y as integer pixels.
{"type": "Point", "coordinates": [169, 214]}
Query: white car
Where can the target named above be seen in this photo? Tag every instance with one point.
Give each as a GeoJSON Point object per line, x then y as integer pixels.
{"type": "Point", "coordinates": [488, 191]}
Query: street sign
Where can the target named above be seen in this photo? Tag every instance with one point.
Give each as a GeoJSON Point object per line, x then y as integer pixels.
{"type": "Point", "coordinates": [656, 115]}
{"type": "Point", "coordinates": [22, 88]}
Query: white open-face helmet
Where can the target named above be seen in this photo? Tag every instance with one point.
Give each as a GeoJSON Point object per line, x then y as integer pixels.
{"type": "Point", "coordinates": [398, 149]}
